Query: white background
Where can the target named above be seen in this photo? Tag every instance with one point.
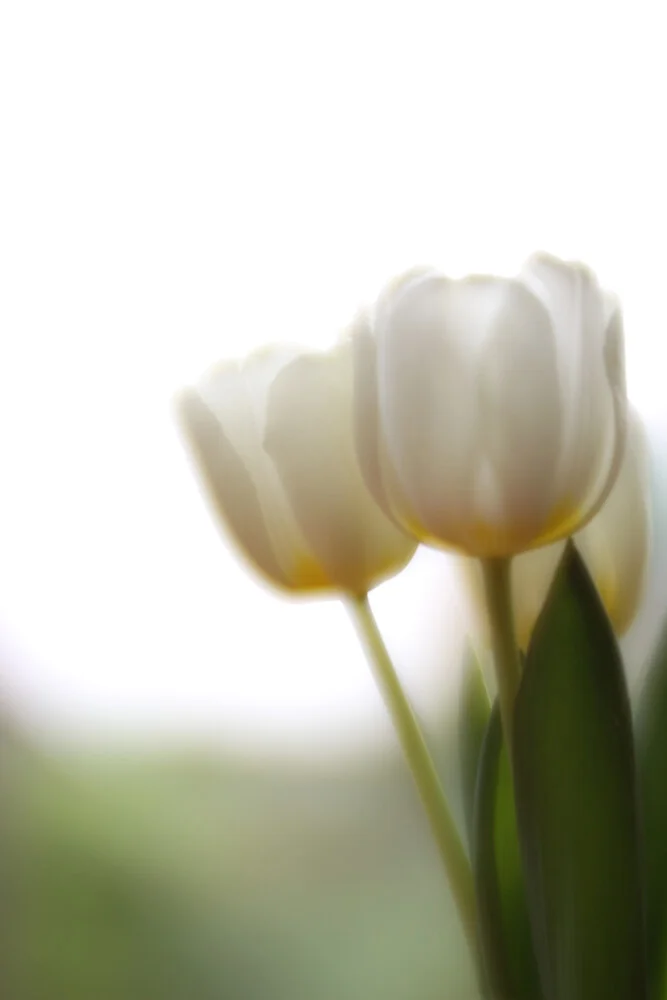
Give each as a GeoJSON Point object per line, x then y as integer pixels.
{"type": "Point", "coordinates": [181, 182]}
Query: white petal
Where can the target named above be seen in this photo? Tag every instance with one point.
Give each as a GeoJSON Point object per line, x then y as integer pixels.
{"type": "Point", "coordinates": [397, 286]}
{"type": "Point", "coordinates": [369, 442]}
{"type": "Point", "coordinates": [439, 417]}
{"type": "Point", "coordinates": [377, 471]}
{"type": "Point", "coordinates": [611, 447]}
{"type": "Point", "coordinates": [614, 546]}
{"type": "Point", "coordinates": [614, 353]}
{"type": "Point", "coordinates": [365, 410]}
{"type": "Point", "coordinates": [228, 483]}
{"type": "Point", "coordinates": [309, 437]}
{"type": "Point", "coordinates": [580, 314]}
{"type": "Point", "coordinates": [237, 395]}
{"type": "Point", "coordinates": [426, 365]}
{"type": "Point", "coordinates": [615, 543]}
{"type": "Point", "coordinates": [521, 416]}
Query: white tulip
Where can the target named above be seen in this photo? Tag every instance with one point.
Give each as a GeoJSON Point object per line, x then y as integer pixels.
{"type": "Point", "coordinates": [490, 412]}
{"type": "Point", "coordinates": [614, 546]}
{"type": "Point", "coordinates": [274, 445]}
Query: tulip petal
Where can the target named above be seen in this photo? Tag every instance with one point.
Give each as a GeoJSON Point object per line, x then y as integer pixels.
{"type": "Point", "coordinates": [580, 312]}
{"type": "Point", "coordinates": [465, 463]}
{"type": "Point", "coordinates": [370, 447]}
{"type": "Point", "coordinates": [377, 471]}
{"type": "Point", "coordinates": [365, 410]}
{"type": "Point", "coordinates": [520, 416]}
{"type": "Point", "coordinates": [615, 543]}
{"type": "Point", "coordinates": [228, 483]}
{"type": "Point", "coordinates": [426, 366]}
{"type": "Point", "coordinates": [237, 396]}
{"type": "Point", "coordinates": [614, 546]}
{"type": "Point", "coordinates": [309, 437]}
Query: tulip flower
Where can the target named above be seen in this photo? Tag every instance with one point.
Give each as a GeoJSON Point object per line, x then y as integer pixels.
{"type": "Point", "coordinates": [490, 412]}
{"type": "Point", "coordinates": [614, 546]}
{"type": "Point", "coordinates": [273, 441]}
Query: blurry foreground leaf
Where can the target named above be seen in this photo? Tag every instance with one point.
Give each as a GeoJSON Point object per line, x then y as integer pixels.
{"type": "Point", "coordinates": [652, 766]}
{"type": "Point", "coordinates": [576, 800]}
{"type": "Point", "coordinates": [510, 965]}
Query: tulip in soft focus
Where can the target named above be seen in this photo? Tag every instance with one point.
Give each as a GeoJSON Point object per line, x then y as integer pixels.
{"type": "Point", "coordinates": [273, 441]}
{"type": "Point", "coordinates": [614, 545]}
{"type": "Point", "coordinates": [490, 412]}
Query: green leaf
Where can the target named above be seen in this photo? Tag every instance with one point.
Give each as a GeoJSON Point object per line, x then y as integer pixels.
{"type": "Point", "coordinates": [509, 962]}
{"type": "Point", "coordinates": [474, 711]}
{"type": "Point", "coordinates": [652, 766]}
{"type": "Point", "coordinates": [576, 799]}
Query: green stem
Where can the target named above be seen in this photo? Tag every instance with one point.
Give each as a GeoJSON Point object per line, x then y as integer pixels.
{"type": "Point", "coordinates": [507, 661]}
{"type": "Point", "coordinates": [423, 770]}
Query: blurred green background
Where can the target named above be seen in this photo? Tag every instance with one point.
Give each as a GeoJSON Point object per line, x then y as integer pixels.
{"type": "Point", "coordinates": [165, 875]}
{"type": "Point", "coordinates": [175, 875]}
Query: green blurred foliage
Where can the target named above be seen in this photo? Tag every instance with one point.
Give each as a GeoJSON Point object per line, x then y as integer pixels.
{"type": "Point", "coordinates": [171, 877]}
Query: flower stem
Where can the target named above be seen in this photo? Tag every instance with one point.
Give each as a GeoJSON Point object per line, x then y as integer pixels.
{"type": "Point", "coordinates": [507, 661]}
{"type": "Point", "coordinates": [423, 770]}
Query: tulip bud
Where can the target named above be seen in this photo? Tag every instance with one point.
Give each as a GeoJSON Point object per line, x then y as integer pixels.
{"type": "Point", "coordinates": [490, 412]}
{"type": "Point", "coordinates": [614, 546]}
{"type": "Point", "coordinates": [273, 441]}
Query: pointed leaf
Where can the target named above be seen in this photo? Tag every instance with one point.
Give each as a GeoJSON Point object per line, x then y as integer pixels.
{"type": "Point", "coordinates": [652, 766]}
{"type": "Point", "coordinates": [510, 966]}
{"type": "Point", "coordinates": [576, 802]}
